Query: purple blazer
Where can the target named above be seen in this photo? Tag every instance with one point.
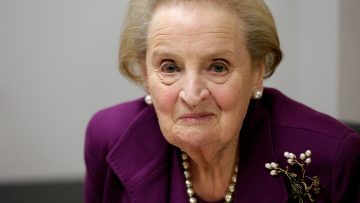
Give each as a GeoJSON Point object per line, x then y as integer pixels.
{"type": "Point", "coordinates": [128, 160]}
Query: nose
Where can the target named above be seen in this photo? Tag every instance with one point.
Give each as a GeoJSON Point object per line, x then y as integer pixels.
{"type": "Point", "coordinates": [194, 90]}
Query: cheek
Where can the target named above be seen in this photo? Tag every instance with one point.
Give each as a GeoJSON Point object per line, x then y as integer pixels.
{"type": "Point", "coordinates": [164, 98]}
{"type": "Point", "coordinates": [164, 101]}
{"type": "Point", "coordinates": [234, 104]}
{"type": "Point", "coordinates": [232, 97]}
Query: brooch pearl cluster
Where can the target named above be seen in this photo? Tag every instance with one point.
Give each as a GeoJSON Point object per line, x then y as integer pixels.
{"type": "Point", "coordinates": [301, 186]}
{"type": "Point", "coordinates": [189, 188]}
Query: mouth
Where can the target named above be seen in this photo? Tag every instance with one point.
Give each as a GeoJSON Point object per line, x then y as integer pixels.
{"type": "Point", "coordinates": [196, 117]}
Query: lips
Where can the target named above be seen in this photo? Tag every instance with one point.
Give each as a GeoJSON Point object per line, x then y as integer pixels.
{"type": "Point", "coordinates": [196, 117]}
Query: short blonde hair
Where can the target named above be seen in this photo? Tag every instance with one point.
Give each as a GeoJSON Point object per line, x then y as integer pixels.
{"type": "Point", "coordinates": [261, 36]}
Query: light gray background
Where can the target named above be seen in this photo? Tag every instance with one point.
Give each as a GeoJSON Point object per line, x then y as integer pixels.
{"type": "Point", "coordinates": [58, 65]}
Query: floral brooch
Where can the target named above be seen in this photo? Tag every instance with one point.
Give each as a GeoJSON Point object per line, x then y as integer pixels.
{"type": "Point", "coordinates": [302, 187]}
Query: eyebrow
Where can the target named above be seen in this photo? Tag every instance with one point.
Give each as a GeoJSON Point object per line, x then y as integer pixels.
{"type": "Point", "coordinates": [214, 53]}
{"type": "Point", "coordinates": [163, 54]}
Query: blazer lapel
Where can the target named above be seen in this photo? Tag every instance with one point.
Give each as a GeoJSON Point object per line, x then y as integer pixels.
{"type": "Point", "coordinates": [255, 184]}
{"type": "Point", "coordinates": [140, 159]}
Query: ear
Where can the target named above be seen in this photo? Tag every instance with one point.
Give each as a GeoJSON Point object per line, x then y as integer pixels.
{"type": "Point", "coordinates": [259, 76]}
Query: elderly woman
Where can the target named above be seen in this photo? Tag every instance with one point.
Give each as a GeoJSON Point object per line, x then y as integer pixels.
{"type": "Point", "coordinates": [208, 131]}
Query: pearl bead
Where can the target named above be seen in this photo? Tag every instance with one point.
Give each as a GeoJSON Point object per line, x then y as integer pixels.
{"type": "Point", "coordinates": [286, 154]}
{"type": "Point", "coordinates": [187, 174]}
{"type": "Point", "coordinates": [234, 177]}
{"type": "Point", "coordinates": [308, 161]}
{"type": "Point", "coordinates": [188, 183]}
{"type": "Point", "coordinates": [268, 166]}
{"type": "Point", "coordinates": [185, 165]}
{"type": "Point", "coordinates": [308, 153]}
{"type": "Point", "coordinates": [192, 200]}
{"type": "Point", "coordinates": [273, 173]}
{"type": "Point", "coordinates": [148, 99]}
{"type": "Point", "coordinates": [257, 94]}
{"type": "Point", "coordinates": [231, 187]}
{"type": "Point", "coordinates": [274, 165]}
{"type": "Point", "coordinates": [228, 197]}
{"type": "Point", "coordinates": [190, 192]}
{"type": "Point", "coordinates": [302, 156]}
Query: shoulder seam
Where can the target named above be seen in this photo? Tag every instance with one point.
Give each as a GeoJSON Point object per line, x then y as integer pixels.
{"type": "Point", "coordinates": [310, 130]}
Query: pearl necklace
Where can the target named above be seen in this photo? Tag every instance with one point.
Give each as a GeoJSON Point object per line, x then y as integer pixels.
{"type": "Point", "coordinates": [190, 191]}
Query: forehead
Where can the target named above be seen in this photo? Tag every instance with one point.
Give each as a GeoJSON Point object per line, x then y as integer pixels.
{"type": "Point", "coordinates": [188, 20]}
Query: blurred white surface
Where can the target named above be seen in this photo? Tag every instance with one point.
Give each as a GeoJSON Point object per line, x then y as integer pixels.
{"type": "Point", "coordinates": [58, 65]}
{"type": "Point", "coordinates": [309, 35]}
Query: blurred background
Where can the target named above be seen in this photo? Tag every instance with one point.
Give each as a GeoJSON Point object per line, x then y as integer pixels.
{"type": "Point", "coordinates": [58, 66]}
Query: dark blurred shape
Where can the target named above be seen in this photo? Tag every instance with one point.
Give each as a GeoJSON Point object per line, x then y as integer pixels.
{"type": "Point", "coordinates": [355, 126]}
{"type": "Point", "coordinates": [45, 192]}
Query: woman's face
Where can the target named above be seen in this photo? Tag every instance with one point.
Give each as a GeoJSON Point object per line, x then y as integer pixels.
{"type": "Point", "coordinates": [199, 74]}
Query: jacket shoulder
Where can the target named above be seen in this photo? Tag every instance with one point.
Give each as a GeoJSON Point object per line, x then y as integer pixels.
{"type": "Point", "coordinates": [288, 113]}
{"type": "Point", "coordinates": [109, 123]}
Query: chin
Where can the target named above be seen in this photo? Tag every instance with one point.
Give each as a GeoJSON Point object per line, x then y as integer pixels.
{"type": "Point", "coordinates": [194, 139]}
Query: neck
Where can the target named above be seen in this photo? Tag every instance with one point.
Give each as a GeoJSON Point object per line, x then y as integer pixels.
{"type": "Point", "coordinates": [212, 170]}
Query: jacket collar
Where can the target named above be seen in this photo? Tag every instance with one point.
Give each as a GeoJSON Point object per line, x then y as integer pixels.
{"type": "Point", "coordinates": [141, 157]}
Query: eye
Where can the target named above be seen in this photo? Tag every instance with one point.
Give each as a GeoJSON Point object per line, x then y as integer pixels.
{"type": "Point", "coordinates": [219, 67]}
{"type": "Point", "coordinates": [169, 72]}
{"type": "Point", "coordinates": [169, 68]}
